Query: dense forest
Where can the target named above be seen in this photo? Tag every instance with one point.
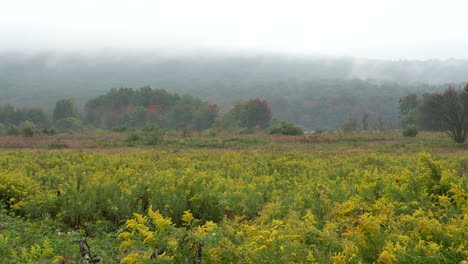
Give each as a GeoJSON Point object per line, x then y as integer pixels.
{"type": "Point", "coordinates": [316, 92]}
{"type": "Point", "coordinates": [135, 108]}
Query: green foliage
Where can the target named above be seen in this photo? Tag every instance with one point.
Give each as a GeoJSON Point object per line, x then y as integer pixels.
{"type": "Point", "coordinates": [68, 125]}
{"type": "Point", "coordinates": [65, 108]}
{"type": "Point", "coordinates": [447, 111]}
{"type": "Point", "coordinates": [27, 129]}
{"type": "Point", "coordinates": [252, 114]}
{"type": "Point", "coordinates": [233, 207]}
{"type": "Point", "coordinates": [25, 240]}
{"type": "Point", "coordinates": [297, 89]}
{"type": "Point", "coordinates": [351, 125]}
{"type": "Point", "coordinates": [410, 131]}
{"type": "Point", "coordinates": [286, 128]}
{"type": "Point", "coordinates": [136, 107]}
{"type": "Point", "coordinates": [11, 116]}
{"type": "Point", "coordinates": [407, 106]}
{"type": "Point", "coordinates": [151, 134]}
{"type": "Point", "coordinates": [12, 131]}
{"type": "Point", "coordinates": [319, 131]}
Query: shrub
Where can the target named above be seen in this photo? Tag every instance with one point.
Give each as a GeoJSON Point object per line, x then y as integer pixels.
{"type": "Point", "coordinates": [410, 131]}
{"type": "Point", "coordinates": [244, 131]}
{"type": "Point", "coordinates": [150, 134]}
{"type": "Point", "coordinates": [133, 137]}
{"type": "Point", "coordinates": [286, 128]}
{"type": "Point", "coordinates": [69, 125]}
{"type": "Point", "coordinates": [350, 126]}
{"type": "Point", "coordinates": [13, 131]}
{"type": "Point", "coordinates": [27, 129]}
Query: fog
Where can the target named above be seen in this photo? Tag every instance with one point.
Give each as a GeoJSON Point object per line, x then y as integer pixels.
{"type": "Point", "coordinates": [337, 58]}
{"type": "Point", "coordinates": [393, 30]}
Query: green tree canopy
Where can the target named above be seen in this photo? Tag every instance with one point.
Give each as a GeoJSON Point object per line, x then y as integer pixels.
{"type": "Point", "coordinates": [65, 108]}
{"type": "Point", "coordinates": [251, 114]}
{"type": "Point", "coordinates": [447, 111]}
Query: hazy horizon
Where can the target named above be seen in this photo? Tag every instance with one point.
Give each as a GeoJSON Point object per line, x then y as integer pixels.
{"type": "Point", "coordinates": [394, 30]}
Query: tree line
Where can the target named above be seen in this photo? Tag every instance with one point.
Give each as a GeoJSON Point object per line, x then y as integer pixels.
{"type": "Point", "coordinates": [445, 111]}
{"type": "Point", "coordinates": [126, 108]}
{"type": "Point", "coordinates": [312, 92]}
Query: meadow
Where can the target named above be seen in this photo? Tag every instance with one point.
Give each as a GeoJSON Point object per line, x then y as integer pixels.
{"type": "Point", "coordinates": [360, 198]}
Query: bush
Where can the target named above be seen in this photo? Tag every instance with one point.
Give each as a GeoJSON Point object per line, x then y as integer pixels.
{"type": "Point", "coordinates": [286, 128]}
{"type": "Point", "coordinates": [151, 134]}
{"type": "Point", "coordinates": [410, 131]}
{"type": "Point", "coordinates": [351, 125]}
{"type": "Point", "coordinates": [151, 127]}
{"type": "Point", "coordinates": [154, 138]}
{"type": "Point", "coordinates": [210, 132]}
{"type": "Point", "coordinates": [12, 131]}
{"type": "Point", "coordinates": [27, 129]}
{"type": "Point", "coordinates": [69, 125]}
{"type": "Point", "coordinates": [133, 137]}
{"type": "Point", "coordinates": [244, 131]}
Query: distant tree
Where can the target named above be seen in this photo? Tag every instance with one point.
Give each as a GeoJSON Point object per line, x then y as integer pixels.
{"type": "Point", "coordinates": [365, 121]}
{"type": "Point", "coordinates": [137, 116]}
{"type": "Point", "coordinates": [351, 125]}
{"type": "Point", "coordinates": [181, 116]}
{"type": "Point", "coordinates": [27, 128]}
{"type": "Point", "coordinates": [65, 108]}
{"type": "Point", "coordinates": [204, 117]}
{"type": "Point", "coordinates": [407, 106]}
{"type": "Point", "coordinates": [36, 116]}
{"type": "Point", "coordinates": [135, 107]}
{"type": "Point", "coordinates": [447, 111]}
{"type": "Point", "coordinates": [251, 114]}
{"type": "Point", "coordinates": [9, 115]}
{"type": "Point", "coordinates": [68, 125]}
{"type": "Point", "coordinates": [381, 126]}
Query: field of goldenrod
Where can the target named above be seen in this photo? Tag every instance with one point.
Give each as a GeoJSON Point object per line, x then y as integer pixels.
{"type": "Point", "coordinates": [240, 207]}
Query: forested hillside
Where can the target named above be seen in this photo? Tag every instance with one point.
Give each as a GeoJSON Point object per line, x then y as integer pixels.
{"type": "Point", "coordinates": [315, 92]}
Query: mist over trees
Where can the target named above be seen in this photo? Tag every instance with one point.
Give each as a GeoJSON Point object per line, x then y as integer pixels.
{"type": "Point", "coordinates": [316, 92]}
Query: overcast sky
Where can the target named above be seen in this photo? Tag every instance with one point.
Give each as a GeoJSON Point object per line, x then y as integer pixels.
{"type": "Point", "coordinates": [388, 29]}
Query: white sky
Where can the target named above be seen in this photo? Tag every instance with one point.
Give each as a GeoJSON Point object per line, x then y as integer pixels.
{"type": "Point", "coordinates": [389, 29]}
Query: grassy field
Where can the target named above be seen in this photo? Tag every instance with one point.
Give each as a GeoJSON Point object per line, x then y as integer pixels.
{"type": "Point", "coordinates": [391, 141]}
{"type": "Point", "coordinates": [329, 198]}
